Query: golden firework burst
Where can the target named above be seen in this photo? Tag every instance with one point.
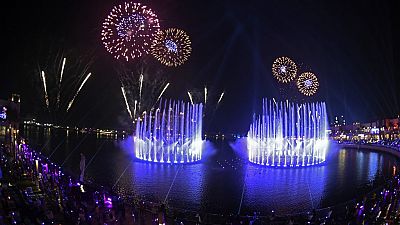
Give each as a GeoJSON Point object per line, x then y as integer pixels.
{"type": "Point", "coordinates": [172, 47]}
{"type": "Point", "coordinates": [307, 83]}
{"type": "Point", "coordinates": [284, 69]}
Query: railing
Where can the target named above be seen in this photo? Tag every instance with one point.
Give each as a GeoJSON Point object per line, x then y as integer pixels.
{"type": "Point", "coordinates": [377, 147]}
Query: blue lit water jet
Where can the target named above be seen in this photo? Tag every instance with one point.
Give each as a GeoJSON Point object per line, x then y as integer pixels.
{"type": "Point", "coordinates": [170, 133]}
{"type": "Point", "coordinates": [288, 134]}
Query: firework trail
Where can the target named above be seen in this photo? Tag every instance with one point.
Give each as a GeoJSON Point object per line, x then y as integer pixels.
{"type": "Point", "coordinates": [76, 94]}
{"type": "Point", "coordinates": [143, 85]}
{"type": "Point", "coordinates": [62, 71]}
{"type": "Point", "coordinates": [140, 88]}
{"type": "Point", "coordinates": [190, 97]}
{"type": "Point", "coordinates": [205, 95]}
{"type": "Point", "coordinates": [126, 102]}
{"type": "Point", "coordinates": [140, 85]}
{"type": "Point", "coordinates": [59, 83]}
{"type": "Point", "coordinates": [162, 92]}
{"type": "Point", "coordinates": [220, 97]}
{"type": "Point", "coordinates": [134, 109]}
{"type": "Point", "coordinates": [46, 96]}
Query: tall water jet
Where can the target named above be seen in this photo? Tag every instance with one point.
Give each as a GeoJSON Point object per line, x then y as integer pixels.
{"type": "Point", "coordinates": [170, 134]}
{"type": "Point", "coordinates": [288, 134]}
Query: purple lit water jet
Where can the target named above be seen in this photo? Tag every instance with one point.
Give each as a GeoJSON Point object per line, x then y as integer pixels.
{"type": "Point", "coordinates": [288, 134]}
{"type": "Point", "coordinates": [170, 134]}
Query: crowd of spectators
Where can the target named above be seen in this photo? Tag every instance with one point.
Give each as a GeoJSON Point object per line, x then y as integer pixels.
{"type": "Point", "coordinates": [35, 191]}
{"type": "Point", "coordinates": [390, 143]}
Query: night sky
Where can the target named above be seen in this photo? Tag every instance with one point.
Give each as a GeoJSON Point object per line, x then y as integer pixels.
{"type": "Point", "coordinates": [353, 48]}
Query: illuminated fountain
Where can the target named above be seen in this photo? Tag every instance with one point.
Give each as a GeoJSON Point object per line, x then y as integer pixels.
{"type": "Point", "coordinates": [288, 134]}
{"type": "Point", "coordinates": [170, 133]}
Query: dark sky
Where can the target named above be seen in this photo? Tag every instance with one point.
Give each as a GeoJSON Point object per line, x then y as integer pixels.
{"type": "Point", "coordinates": [353, 48]}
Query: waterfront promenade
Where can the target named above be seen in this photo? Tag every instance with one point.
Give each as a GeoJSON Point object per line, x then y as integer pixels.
{"type": "Point", "coordinates": [35, 191]}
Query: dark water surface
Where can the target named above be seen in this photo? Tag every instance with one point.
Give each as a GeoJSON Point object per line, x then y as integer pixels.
{"type": "Point", "coordinates": [223, 181]}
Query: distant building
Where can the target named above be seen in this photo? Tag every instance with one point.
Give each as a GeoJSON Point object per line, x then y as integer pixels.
{"type": "Point", "coordinates": [385, 129]}
{"type": "Point", "coordinates": [9, 119]}
{"type": "Point", "coordinates": [339, 121]}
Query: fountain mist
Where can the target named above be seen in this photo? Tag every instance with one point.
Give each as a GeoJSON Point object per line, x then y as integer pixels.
{"type": "Point", "coordinates": [288, 134]}
{"type": "Point", "coordinates": [170, 133]}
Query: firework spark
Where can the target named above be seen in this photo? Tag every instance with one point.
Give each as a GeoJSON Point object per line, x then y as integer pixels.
{"type": "Point", "coordinates": [79, 89]}
{"type": "Point", "coordinates": [62, 70]}
{"type": "Point", "coordinates": [59, 83]}
{"type": "Point", "coordinates": [162, 92]}
{"type": "Point", "coordinates": [134, 109]}
{"type": "Point", "coordinates": [274, 101]}
{"type": "Point", "coordinates": [205, 95]}
{"type": "Point", "coordinates": [128, 108]}
{"type": "Point", "coordinates": [142, 88]}
{"type": "Point", "coordinates": [172, 47]}
{"type": "Point", "coordinates": [220, 97]}
{"type": "Point", "coordinates": [46, 96]}
{"type": "Point", "coordinates": [63, 73]}
{"type": "Point", "coordinates": [307, 83]}
{"type": "Point", "coordinates": [140, 85]}
{"type": "Point", "coordinates": [129, 30]}
{"type": "Point", "coordinates": [190, 97]}
{"type": "Point", "coordinates": [284, 69]}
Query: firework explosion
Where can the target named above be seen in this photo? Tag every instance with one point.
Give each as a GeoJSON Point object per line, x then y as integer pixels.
{"type": "Point", "coordinates": [129, 30]}
{"type": "Point", "coordinates": [209, 98]}
{"type": "Point", "coordinates": [61, 79]}
{"type": "Point", "coordinates": [172, 47]}
{"type": "Point", "coordinates": [284, 69]}
{"type": "Point", "coordinates": [307, 83]}
{"type": "Point", "coordinates": [141, 89]}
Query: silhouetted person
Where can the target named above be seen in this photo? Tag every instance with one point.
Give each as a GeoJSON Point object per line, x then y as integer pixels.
{"type": "Point", "coordinates": [161, 214]}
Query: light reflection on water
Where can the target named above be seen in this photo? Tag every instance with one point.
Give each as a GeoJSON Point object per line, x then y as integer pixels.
{"type": "Point", "coordinates": [216, 184]}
